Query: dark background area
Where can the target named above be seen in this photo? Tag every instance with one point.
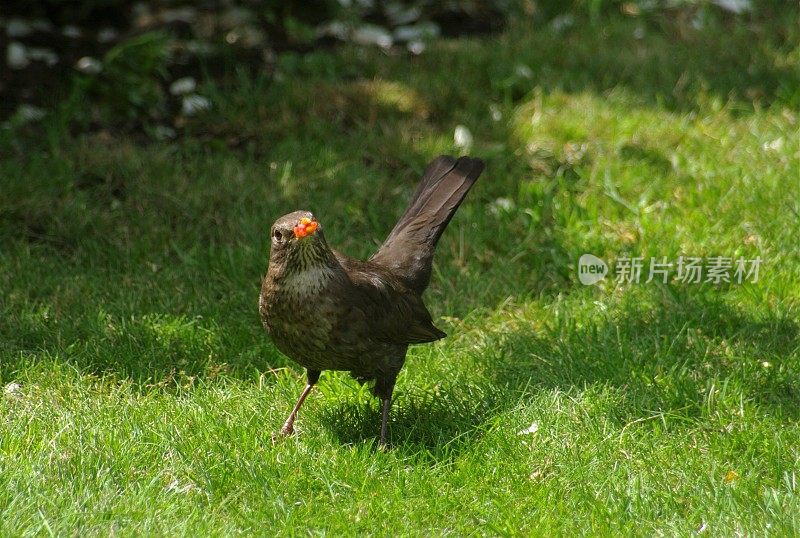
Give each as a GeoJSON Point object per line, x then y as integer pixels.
{"type": "Point", "coordinates": [119, 59]}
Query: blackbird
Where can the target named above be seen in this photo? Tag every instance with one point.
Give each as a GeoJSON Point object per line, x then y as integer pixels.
{"type": "Point", "coordinates": [327, 311]}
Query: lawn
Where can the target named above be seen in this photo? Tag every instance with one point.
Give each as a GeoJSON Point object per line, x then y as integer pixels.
{"type": "Point", "coordinates": [140, 391]}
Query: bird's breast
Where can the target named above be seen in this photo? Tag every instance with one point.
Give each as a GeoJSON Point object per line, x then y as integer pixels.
{"type": "Point", "coordinates": [315, 317]}
{"type": "Point", "coordinates": [299, 310]}
{"type": "Point", "coordinates": [310, 281]}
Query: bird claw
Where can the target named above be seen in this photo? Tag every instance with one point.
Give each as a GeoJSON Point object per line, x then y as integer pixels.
{"type": "Point", "coordinates": [287, 430]}
{"type": "Point", "coordinates": [282, 434]}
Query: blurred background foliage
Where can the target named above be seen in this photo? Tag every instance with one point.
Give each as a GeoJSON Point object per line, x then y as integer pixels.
{"type": "Point", "coordinates": [141, 67]}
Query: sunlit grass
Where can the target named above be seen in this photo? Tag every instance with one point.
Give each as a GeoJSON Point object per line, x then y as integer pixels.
{"type": "Point", "coordinates": [140, 391]}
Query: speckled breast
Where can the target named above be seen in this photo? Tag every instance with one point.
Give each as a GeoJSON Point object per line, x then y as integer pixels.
{"type": "Point", "coordinates": [314, 325]}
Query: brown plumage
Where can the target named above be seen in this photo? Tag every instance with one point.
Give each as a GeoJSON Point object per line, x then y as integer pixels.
{"type": "Point", "coordinates": [327, 311]}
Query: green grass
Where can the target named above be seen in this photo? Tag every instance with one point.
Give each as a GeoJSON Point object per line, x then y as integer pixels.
{"type": "Point", "coordinates": [148, 391]}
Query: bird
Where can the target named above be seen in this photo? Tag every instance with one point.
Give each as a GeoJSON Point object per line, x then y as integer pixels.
{"type": "Point", "coordinates": [327, 311]}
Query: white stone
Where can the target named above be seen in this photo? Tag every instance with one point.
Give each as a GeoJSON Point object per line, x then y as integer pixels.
{"type": "Point", "coordinates": [17, 55]}
{"type": "Point", "coordinates": [72, 32]}
{"type": "Point", "coordinates": [462, 138]}
{"type": "Point", "coordinates": [18, 28]}
{"type": "Point", "coordinates": [107, 35]}
{"type": "Point", "coordinates": [182, 86]}
{"type": "Point", "coordinates": [192, 104]}
{"type": "Point", "coordinates": [370, 34]}
{"type": "Point", "coordinates": [533, 428]}
{"type": "Point", "coordinates": [89, 65]}
{"type": "Point", "coordinates": [27, 113]}
{"type": "Point", "coordinates": [416, 47]}
{"type": "Point", "coordinates": [13, 390]}
{"type": "Point", "coordinates": [416, 32]}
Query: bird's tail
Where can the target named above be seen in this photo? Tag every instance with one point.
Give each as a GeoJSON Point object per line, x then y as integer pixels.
{"type": "Point", "coordinates": [408, 251]}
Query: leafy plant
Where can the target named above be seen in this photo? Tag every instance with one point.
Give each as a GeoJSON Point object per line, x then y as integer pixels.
{"type": "Point", "coordinates": [128, 83]}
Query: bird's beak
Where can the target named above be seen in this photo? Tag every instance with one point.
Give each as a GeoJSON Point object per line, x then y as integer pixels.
{"type": "Point", "coordinates": [305, 227]}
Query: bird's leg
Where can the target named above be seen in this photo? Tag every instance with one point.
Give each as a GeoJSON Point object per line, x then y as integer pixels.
{"type": "Point", "coordinates": [288, 426]}
{"type": "Point", "coordinates": [384, 386]}
{"type": "Point", "coordinates": [387, 403]}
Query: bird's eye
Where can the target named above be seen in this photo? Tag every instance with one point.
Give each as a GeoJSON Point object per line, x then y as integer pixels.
{"type": "Point", "coordinates": [277, 235]}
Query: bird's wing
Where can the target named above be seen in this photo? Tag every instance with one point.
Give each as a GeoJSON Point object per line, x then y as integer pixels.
{"type": "Point", "coordinates": [393, 313]}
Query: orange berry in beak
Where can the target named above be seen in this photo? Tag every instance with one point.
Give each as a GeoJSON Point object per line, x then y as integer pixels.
{"type": "Point", "coordinates": [305, 227]}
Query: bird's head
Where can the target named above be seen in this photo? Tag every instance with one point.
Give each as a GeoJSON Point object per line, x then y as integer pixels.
{"type": "Point", "coordinates": [297, 239]}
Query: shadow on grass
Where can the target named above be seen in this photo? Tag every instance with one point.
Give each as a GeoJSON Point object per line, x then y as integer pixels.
{"type": "Point", "coordinates": [667, 349]}
{"type": "Point", "coordinates": [441, 424]}
{"type": "Point", "coordinates": [683, 351]}
{"type": "Point", "coordinates": [686, 355]}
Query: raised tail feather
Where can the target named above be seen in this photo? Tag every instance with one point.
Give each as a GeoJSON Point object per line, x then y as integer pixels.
{"type": "Point", "coordinates": [408, 251]}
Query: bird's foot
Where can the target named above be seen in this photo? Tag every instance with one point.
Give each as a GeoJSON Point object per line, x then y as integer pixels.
{"type": "Point", "coordinates": [284, 432]}
{"type": "Point", "coordinates": [383, 445]}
